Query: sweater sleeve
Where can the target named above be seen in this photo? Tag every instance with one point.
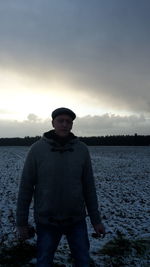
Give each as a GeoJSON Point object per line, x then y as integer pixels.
{"type": "Point", "coordinates": [26, 190]}
{"type": "Point", "coordinates": [89, 191]}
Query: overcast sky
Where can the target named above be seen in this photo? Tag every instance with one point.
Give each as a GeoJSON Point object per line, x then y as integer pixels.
{"type": "Point", "coordinates": [90, 56]}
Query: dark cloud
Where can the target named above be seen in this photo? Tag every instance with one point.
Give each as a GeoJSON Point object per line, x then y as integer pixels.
{"type": "Point", "coordinates": [33, 118]}
{"type": "Point", "coordinates": [112, 125]}
{"type": "Point", "coordinates": [14, 128]}
{"type": "Point", "coordinates": [99, 47]}
{"type": "Point", "coordinates": [85, 126]}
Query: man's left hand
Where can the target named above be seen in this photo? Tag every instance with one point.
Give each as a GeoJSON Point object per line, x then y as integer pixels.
{"type": "Point", "coordinates": [99, 229]}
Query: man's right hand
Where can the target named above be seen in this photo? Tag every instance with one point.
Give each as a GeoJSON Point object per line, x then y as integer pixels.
{"type": "Point", "coordinates": [25, 232]}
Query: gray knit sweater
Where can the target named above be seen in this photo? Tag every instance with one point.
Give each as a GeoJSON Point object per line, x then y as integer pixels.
{"type": "Point", "coordinates": [60, 178]}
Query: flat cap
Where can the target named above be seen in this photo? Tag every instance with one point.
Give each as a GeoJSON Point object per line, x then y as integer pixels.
{"type": "Point", "coordinates": [60, 111]}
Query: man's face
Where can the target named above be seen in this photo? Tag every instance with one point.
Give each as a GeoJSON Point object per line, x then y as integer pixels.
{"type": "Point", "coordinates": [62, 125]}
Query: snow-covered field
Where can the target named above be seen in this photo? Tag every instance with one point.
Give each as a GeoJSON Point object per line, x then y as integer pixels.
{"type": "Point", "coordinates": [122, 176]}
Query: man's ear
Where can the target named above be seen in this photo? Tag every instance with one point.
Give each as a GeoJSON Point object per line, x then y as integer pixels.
{"type": "Point", "coordinates": [52, 123]}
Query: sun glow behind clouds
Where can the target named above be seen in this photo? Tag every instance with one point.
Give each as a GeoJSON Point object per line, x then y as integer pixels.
{"type": "Point", "coordinates": [21, 95]}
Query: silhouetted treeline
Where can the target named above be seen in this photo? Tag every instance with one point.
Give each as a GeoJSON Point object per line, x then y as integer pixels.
{"type": "Point", "coordinates": [18, 141]}
{"type": "Point", "coordinates": [112, 140]}
{"type": "Point", "coordinates": [117, 140]}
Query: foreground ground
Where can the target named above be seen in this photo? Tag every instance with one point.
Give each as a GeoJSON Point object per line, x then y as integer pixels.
{"type": "Point", "coordinates": [122, 176]}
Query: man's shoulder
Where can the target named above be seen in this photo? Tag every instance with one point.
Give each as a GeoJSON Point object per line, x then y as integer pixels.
{"type": "Point", "coordinates": [36, 146]}
{"type": "Point", "coordinates": [82, 145]}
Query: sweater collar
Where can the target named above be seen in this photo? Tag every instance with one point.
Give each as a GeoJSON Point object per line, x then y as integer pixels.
{"type": "Point", "coordinates": [51, 135]}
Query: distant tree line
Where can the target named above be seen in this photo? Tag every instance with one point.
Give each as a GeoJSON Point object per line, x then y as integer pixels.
{"type": "Point", "coordinates": [110, 140]}
{"type": "Point", "coordinates": [117, 140]}
{"type": "Point", "coordinates": [18, 141]}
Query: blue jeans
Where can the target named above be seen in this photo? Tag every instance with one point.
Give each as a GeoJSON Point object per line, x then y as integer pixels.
{"type": "Point", "coordinates": [48, 238]}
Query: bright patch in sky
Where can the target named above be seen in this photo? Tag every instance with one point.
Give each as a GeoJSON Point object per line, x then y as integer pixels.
{"type": "Point", "coordinates": [21, 96]}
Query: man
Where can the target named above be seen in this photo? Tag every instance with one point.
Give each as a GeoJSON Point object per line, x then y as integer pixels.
{"type": "Point", "coordinates": [58, 173]}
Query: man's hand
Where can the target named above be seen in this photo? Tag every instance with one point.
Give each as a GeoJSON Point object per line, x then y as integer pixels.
{"type": "Point", "coordinates": [100, 230]}
{"type": "Point", "coordinates": [25, 232]}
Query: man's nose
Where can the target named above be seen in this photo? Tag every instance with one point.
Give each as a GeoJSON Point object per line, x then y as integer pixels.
{"type": "Point", "coordinates": [64, 123]}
